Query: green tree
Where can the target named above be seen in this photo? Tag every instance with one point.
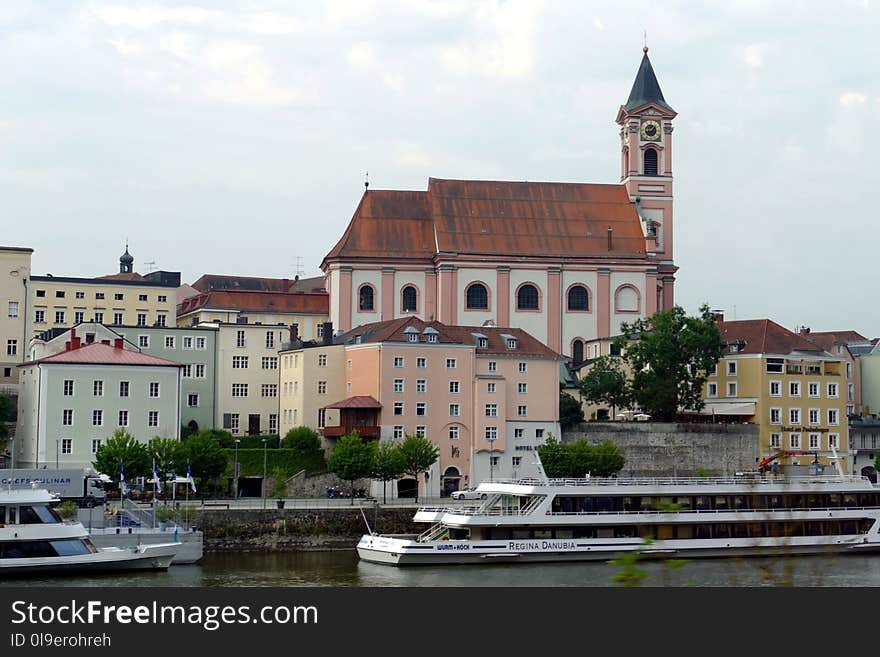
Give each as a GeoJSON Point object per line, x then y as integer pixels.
{"type": "Point", "coordinates": [223, 438]}
{"type": "Point", "coordinates": [607, 459]}
{"type": "Point", "coordinates": [122, 450]}
{"type": "Point", "coordinates": [571, 413]}
{"type": "Point", "coordinates": [388, 465]}
{"type": "Point", "coordinates": [305, 444]}
{"type": "Point", "coordinates": [352, 459]}
{"type": "Point", "coordinates": [279, 483]}
{"type": "Point", "coordinates": [553, 455]}
{"type": "Point", "coordinates": [302, 439]}
{"type": "Point", "coordinates": [670, 358]}
{"type": "Point", "coordinates": [417, 454]}
{"type": "Point", "coordinates": [5, 416]}
{"type": "Point", "coordinates": [205, 457]}
{"type": "Point", "coordinates": [169, 456]}
{"type": "Point", "coordinates": [605, 383]}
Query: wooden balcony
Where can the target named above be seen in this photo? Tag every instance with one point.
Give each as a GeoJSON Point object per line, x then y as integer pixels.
{"type": "Point", "coordinates": [363, 431]}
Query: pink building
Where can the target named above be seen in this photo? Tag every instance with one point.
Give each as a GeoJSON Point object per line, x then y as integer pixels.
{"type": "Point", "coordinates": [487, 397]}
{"type": "Point", "coordinates": [566, 262]}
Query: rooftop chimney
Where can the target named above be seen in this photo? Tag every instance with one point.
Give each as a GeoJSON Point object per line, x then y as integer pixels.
{"type": "Point", "coordinates": [75, 343]}
{"type": "Point", "coordinates": [294, 332]}
{"type": "Point", "coordinates": [805, 330]}
{"type": "Point", "coordinates": [610, 241]}
{"type": "Point", "coordinates": [328, 333]}
{"type": "Point", "coordinates": [719, 315]}
{"type": "Point", "coordinates": [117, 343]}
{"type": "Point", "coordinates": [107, 342]}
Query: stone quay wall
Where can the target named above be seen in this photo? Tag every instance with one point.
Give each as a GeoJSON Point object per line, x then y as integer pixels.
{"type": "Point", "coordinates": [656, 449]}
{"type": "Point", "coordinates": [238, 530]}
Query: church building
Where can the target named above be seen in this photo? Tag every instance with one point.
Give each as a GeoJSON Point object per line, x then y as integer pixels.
{"type": "Point", "coordinates": [566, 262]}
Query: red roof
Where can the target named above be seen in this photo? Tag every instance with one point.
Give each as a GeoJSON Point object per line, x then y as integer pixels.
{"type": "Point", "coordinates": [394, 330]}
{"type": "Point", "coordinates": [763, 336]}
{"type": "Point", "coordinates": [98, 353]}
{"type": "Point", "coordinates": [209, 282]}
{"type": "Point", "coordinates": [313, 303]}
{"type": "Point", "coordinates": [358, 401]}
{"type": "Point", "coordinates": [487, 217]}
{"type": "Point", "coordinates": [827, 339]}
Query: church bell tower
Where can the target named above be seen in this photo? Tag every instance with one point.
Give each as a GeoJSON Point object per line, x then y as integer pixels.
{"type": "Point", "coordinates": [646, 170]}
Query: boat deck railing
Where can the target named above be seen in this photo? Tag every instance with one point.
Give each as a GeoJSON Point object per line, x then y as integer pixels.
{"type": "Point", "coordinates": [686, 481]}
{"type": "Point", "coordinates": [494, 512]}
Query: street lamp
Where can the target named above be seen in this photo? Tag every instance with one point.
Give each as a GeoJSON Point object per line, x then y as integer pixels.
{"type": "Point", "coordinates": [491, 441]}
{"type": "Point", "coordinates": [265, 457]}
{"type": "Point", "coordinates": [235, 471]}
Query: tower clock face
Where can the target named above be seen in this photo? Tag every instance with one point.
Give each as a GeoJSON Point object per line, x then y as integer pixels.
{"type": "Point", "coordinates": [650, 130]}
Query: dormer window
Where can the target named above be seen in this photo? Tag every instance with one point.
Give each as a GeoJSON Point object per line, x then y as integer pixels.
{"type": "Point", "coordinates": [411, 333]}
{"type": "Point", "coordinates": [511, 343]}
{"type": "Point", "coordinates": [483, 343]}
{"type": "Point", "coordinates": [412, 337]}
{"type": "Point", "coordinates": [430, 334]}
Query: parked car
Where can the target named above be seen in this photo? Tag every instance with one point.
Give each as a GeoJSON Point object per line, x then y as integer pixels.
{"type": "Point", "coordinates": [468, 494]}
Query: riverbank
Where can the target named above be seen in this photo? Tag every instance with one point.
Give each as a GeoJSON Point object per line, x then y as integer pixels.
{"type": "Point", "coordinates": [250, 530]}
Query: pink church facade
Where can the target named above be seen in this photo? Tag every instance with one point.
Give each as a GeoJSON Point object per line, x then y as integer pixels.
{"type": "Point", "coordinates": [566, 262]}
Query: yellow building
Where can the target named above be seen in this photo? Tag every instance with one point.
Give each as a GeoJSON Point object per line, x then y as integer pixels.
{"type": "Point", "coordinates": [311, 377]}
{"type": "Point", "coordinates": [15, 268]}
{"type": "Point", "coordinates": [123, 299]}
{"type": "Point", "coordinates": [787, 385]}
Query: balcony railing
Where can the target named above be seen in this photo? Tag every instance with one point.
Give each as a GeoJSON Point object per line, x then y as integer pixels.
{"type": "Point", "coordinates": [363, 432]}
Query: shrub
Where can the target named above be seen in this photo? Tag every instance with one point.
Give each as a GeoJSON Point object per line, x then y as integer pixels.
{"type": "Point", "coordinates": [68, 510]}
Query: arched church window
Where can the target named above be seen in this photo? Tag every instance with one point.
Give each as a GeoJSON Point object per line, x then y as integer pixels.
{"type": "Point", "coordinates": [577, 352]}
{"type": "Point", "coordinates": [578, 298]}
{"type": "Point", "coordinates": [477, 297]}
{"type": "Point", "coordinates": [650, 162]}
{"type": "Point", "coordinates": [409, 298]}
{"type": "Point", "coordinates": [366, 301]}
{"type": "Point", "coordinates": [527, 297]}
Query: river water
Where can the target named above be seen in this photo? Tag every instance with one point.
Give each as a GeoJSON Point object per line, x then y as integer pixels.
{"type": "Point", "coordinates": [342, 568]}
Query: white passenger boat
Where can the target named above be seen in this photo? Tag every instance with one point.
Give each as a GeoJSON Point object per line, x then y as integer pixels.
{"type": "Point", "coordinates": [35, 540]}
{"type": "Point", "coordinates": [595, 519]}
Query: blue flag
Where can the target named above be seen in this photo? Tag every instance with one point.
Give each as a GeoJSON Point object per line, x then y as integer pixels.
{"type": "Point", "coordinates": [123, 489]}
{"type": "Point", "coordinates": [189, 478]}
{"type": "Point", "coordinates": [155, 477]}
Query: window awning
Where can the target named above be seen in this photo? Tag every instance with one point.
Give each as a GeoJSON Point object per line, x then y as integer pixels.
{"type": "Point", "coordinates": [728, 408]}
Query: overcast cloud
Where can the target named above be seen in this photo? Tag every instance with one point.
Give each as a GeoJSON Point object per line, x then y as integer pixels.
{"type": "Point", "coordinates": [233, 137]}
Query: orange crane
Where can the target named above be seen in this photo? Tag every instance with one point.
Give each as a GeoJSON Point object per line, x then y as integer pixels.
{"type": "Point", "coordinates": [764, 465]}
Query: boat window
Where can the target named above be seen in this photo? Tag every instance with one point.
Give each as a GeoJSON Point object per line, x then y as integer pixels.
{"type": "Point", "coordinates": [685, 531]}
{"type": "Point", "coordinates": [12, 514]}
{"type": "Point", "coordinates": [499, 534]}
{"type": "Point", "coordinates": [721, 530]}
{"type": "Point", "coordinates": [27, 516]}
{"type": "Point", "coordinates": [795, 501]}
{"type": "Point", "coordinates": [584, 532]}
{"type": "Point", "coordinates": [740, 502]}
{"type": "Point", "coordinates": [702, 531]}
{"type": "Point", "coordinates": [563, 533]}
{"type": "Point", "coordinates": [69, 547]}
{"type": "Point", "coordinates": [665, 532]}
{"type": "Point", "coordinates": [604, 504]}
{"type": "Point", "coordinates": [701, 502]}
{"type": "Point", "coordinates": [2, 515]}
{"type": "Point", "coordinates": [740, 530]}
{"type": "Point", "coordinates": [849, 500]}
{"type": "Point", "coordinates": [721, 503]}
{"type": "Point", "coordinates": [777, 502]}
{"type": "Point", "coordinates": [684, 503]}
{"type": "Point", "coordinates": [46, 515]}
{"type": "Point", "coordinates": [26, 549]}
{"type": "Point", "coordinates": [833, 499]}
{"type": "Point", "coordinates": [605, 532]}
{"type": "Point", "coordinates": [543, 533]}
{"type": "Point", "coordinates": [756, 530]}
{"type": "Point", "coordinates": [520, 534]}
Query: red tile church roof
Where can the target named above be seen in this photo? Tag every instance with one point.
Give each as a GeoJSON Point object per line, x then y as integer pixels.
{"type": "Point", "coordinates": [480, 217]}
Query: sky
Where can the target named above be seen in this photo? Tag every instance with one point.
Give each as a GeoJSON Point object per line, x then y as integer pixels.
{"type": "Point", "coordinates": [234, 136]}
